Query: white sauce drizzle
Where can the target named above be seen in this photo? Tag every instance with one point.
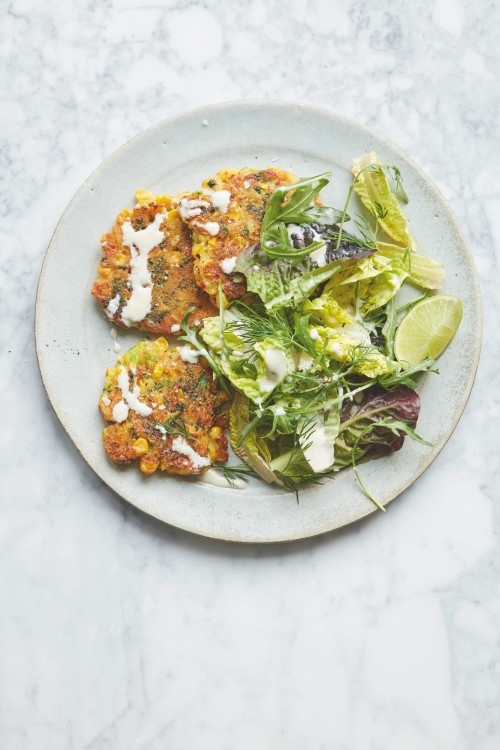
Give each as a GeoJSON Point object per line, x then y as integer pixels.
{"type": "Point", "coordinates": [228, 264]}
{"type": "Point", "coordinates": [276, 369]}
{"type": "Point", "coordinates": [120, 411]}
{"type": "Point", "coordinates": [175, 328]}
{"type": "Point", "coordinates": [179, 445]}
{"type": "Point", "coordinates": [336, 349]}
{"type": "Point", "coordinates": [140, 242]}
{"type": "Point", "coordinates": [212, 227]}
{"type": "Point", "coordinates": [305, 362]}
{"type": "Point", "coordinates": [294, 230]}
{"type": "Point", "coordinates": [246, 184]}
{"type": "Point", "coordinates": [212, 476]}
{"type": "Point", "coordinates": [187, 354]}
{"type": "Point", "coordinates": [220, 200]}
{"type": "Point", "coordinates": [130, 399]}
{"type": "Point", "coordinates": [113, 306]}
{"type": "Point", "coordinates": [313, 333]}
{"type": "Point", "coordinates": [188, 209]}
{"type": "Point", "coordinates": [280, 411]}
{"type": "Point", "coordinates": [319, 256]}
{"type": "Point", "coordinates": [320, 454]}
{"type": "Point", "coordinates": [105, 400]}
{"type": "Point", "coordinates": [116, 346]}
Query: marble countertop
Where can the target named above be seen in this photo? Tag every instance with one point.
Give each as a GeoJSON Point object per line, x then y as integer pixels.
{"type": "Point", "coordinates": [119, 632]}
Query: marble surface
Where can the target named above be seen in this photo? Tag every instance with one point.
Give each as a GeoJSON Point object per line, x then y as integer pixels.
{"type": "Point", "coordinates": [119, 632]}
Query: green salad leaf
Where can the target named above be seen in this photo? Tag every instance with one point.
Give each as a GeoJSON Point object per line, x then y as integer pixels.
{"type": "Point", "coordinates": [294, 204]}
{"type": "Point", "coordinates": [422, 271]}
{"type": "Point", "coordinates": [372, 187]}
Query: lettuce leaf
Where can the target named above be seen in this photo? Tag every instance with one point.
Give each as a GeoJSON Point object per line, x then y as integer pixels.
{"type": "Point", "coordinates": [277, 282]}
{"type": "Point", "coordinates": [422, 271]}
{"type": "Point", "coordinates": [368, 284]}
{"type": "Point", "coordinates": [243, 364]}
{"type": "Point", "coordinates": [377, 427]}
{"type": "Point", "coordinates": [372, 187]}
{"type": "Point", "coordinates": [253, 450]}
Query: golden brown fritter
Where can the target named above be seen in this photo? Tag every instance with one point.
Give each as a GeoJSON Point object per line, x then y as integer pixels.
{"type": "Point", "coordinates": [166, 412]}
{"type": "Point", "coordinates": [220, 235]}
{"type": "Point", "coordinates": [170, 265]}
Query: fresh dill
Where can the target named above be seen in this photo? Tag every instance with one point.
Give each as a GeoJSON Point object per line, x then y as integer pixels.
{"type": "Point", "coordinates": [174, 426]}
{"type": "Point", "coordinates": [232, 473]}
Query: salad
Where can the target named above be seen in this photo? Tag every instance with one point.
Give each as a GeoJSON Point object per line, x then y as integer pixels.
{"type": "Point", "coordinates": [321, 354]}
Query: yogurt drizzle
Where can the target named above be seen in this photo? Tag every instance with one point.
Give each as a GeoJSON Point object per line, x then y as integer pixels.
{"type": "Point", "coordinates": [140, 242]}
{"type": "Point", "coordinates": [130, 399]}
{"type": "Point", "coordinates": [211, 476]}
{"type": "Point", "coordinates": [220, 200]}
{"type": "Point", "coordinates": [179, 445]}
{"type": "Point", "coordinates": [276, 369]}
{"type": "Point", "coordinates": [188, 209]}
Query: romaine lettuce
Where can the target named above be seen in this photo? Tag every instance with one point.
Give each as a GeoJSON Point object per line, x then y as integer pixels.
{"type": "Point", "coordinates": [422, 271]}
{"type": "Point", "coordinates": [368, 284]}
{"type": "Point", "coordinates": [372, 187]}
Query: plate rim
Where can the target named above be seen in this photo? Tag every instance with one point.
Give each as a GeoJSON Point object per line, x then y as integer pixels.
{"type": "Point", "coordinates": [403, 156]}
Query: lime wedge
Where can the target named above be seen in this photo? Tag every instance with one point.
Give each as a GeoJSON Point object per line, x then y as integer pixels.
{"type": "Point", "coordinates": [427, 329]}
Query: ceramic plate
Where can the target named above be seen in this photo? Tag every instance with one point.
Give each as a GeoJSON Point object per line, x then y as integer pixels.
{"type": "Point", "coordinates": [73, 337]}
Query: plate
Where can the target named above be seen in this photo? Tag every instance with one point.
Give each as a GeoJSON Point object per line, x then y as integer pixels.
{"type": "Point", "coordinates": [73, 337]}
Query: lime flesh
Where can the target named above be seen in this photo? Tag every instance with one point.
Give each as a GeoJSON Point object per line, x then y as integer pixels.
{"type": "Point", "coordinates": [428, 328]}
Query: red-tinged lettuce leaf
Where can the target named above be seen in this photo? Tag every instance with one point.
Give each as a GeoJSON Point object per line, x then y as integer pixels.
{"type": "Point", "coordinates": [378, 426]}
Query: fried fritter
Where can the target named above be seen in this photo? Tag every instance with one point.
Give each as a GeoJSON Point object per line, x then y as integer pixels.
{"type": "Point", "coordinates": [225, 218]}
{"type": "Point", "coordinates": [146, 274]}
{"type": "Point", "coordinates": [166, 411]}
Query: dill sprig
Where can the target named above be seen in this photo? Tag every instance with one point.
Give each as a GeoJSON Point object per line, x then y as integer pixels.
{"type": "Point", "coordinates": [174, 426]}
{"type": "Point", "coordinates": [231, 473]}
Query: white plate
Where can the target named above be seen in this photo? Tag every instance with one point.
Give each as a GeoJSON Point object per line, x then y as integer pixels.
{"type": "Point", "coordinates": [73, 337]}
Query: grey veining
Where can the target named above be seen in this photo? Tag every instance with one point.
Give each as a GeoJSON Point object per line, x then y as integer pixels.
{"type": "Point", "coordinates": [118, 632]}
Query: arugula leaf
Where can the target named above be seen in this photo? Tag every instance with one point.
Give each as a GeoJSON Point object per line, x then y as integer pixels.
{"type": "Point", "coordinates": [294, 211]}
{"type": "Point", "coordinates": [404, 377]}
{"type": "Point", "coordinates": [294, 204]}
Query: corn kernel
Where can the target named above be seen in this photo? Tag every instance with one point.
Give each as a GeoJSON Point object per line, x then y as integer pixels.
{"type": "Point", "coordinates": [143, 196]}
{"type": "Point", "coordinates": [147, 466]}
{"type": "Point", "coordinates": [140, 447]}
{"type": "Point", "coordinates": [162, 343]}
{"type": "Point", "coordinates": [174, 258]}
{"type": "Point", "coordinates": [157, 371]}
{"type": "Point", "coordinates": [103, 271]}
{"type": "Point", "coordinates": [163, 200]}
{"type": "Point", "coordinates": [215, 432]}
